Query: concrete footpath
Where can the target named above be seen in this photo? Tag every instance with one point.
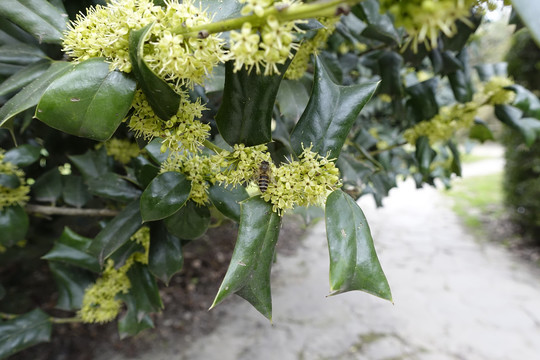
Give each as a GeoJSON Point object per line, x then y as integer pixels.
{"type": "Point", "coordinates": [454, 297]}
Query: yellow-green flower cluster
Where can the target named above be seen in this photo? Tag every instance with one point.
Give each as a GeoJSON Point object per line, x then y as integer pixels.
{"type": "Point", "coordinates": [181, 131]}
{"type": "Point", "coordinates": [299, 65]}
{"type": "Point", "coordinates": [496, 93]}
{"type": "Point", "coordinates": [100, 304]}
{"type": "Point", "coordinates": [305, 182]}
{"type": "Point", "coordinates": [12, 196]}
{"type": "Point", "coordinates": [263, 47]}
{"type": "Point", "coordinates": [242, 164]}
{"type": "Point", "coordinates": [122, 150]}
{"type": "Point", "coordinates": [461, 116]}
{"type": "Point", "coordinates": [424, 19]}
{"type": "Point", "coordinates": [104, 32]}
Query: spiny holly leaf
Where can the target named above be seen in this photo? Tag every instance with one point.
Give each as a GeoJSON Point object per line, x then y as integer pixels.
{"type": "Point", "coordinates": [245, 115]}
{"type": "Point", "coordinates": [165, 195]}
{"type": "Point", "coordinates": [24, 331]}
{"type": "Point", "coordinates": [89, 101]}
{"type": "Point", "coordinates": [330, 114]}
{"type": "Point", "coordinates": [248, 274]}
{"type": "Point", "coordinates": [163, 100]}
{"type": "Point", "coordinates": [353, 261]}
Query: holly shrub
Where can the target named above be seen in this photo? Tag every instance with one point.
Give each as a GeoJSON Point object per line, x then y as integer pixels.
{"type": "Point", "coordinates": [134, 125]}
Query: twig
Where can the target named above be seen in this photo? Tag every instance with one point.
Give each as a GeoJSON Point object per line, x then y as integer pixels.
{"type": "Point", "coordinates": [54, 210]}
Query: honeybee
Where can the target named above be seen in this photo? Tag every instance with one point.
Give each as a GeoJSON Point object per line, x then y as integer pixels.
{"type": "Point", "coordinates": [264, 176]}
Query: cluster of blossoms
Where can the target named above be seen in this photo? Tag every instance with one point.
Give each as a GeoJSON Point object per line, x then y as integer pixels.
{"type": "Point", "coordinates": [182, 130]}
{"type": "Point", "coordinates": [100, 303]}
{"type": "Point", "coordinates": [17, 194]}
{"type": "Point", "coordinates": [264, 46]}
{"type": "Point", "coordinates": [424, 19]}
{"type": "Point", "coordinates": [104, 32]}
{"type": "Point", "coordinates": [121, 150]}
{"type": "Point", "coordinates": [461, 116]}
{"type": "Point", "coordinates": [297, 183]}
{"type": "Point", "coordinates": [299, 64]}
{"type": "Point", "coordinates": [305, 182]}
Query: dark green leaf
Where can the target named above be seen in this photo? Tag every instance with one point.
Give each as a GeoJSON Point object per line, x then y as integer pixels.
{"type": "Point", "coordinates": [390, 64]}
{"type": "Point", "coordinates": [165, 257]}
{"type": "Point", "coordinates": [13, 225]}
{"type": "Point", "coordinates": [24, 331]}
{"type": "Point", "coordinates": [20, 54]}
{"type": "Point", "coordinates": [526, 101]}
{"type": "Point", "coordinates": [117, 232]}
{"type": "Point", "coordinates": [30, 95]}
{"type": "Point", "coordinates": [245, 115]}
{"type": "Point", "coordinates": [113, 186]}
{"type": "Point", "coordinates": [153, 149]}
{"type": "Point", "coordinates": [380, 25]}
{"type": "Point", "coordinates": [10, 181]}
{"type": "Point", "coordinates": [92, 163]}
{"type": "Point", "coordinates": [89, 101]}
{"type": "Point", "coordinates": [144, 171]}
{"type": "Point", "coordinates": [248, 274]}
{"type": "Point", "coordinates": [457, 41]}
{"type": "Point", "coordinates": [512, 117]}
{"type": "Point", "coordinates": [353, 261]}
{"type": "Point", "coordinates": [480, 131]}
{"type": "Point", "coordinates": [9, 69]}
{"type": "Point", "coordinates": [143, 298]}
{"type": "Point", "coordinates": [23, 155]}
{"type": "Point", "coordinates": [23, 77]}
{"type": "Point", "coordinates": [227, 200]}
{"type": "Point", "coordinates": [422, 99]}
{"type": "Point", "coordinates": [330, 114]}
{"type": "Point", "coordinates": [38, 17]}
{"type": "Point", "coordinates": [161, 97]}
{"type": "Point", "coordinates": [529, 12]}
{"type": "Point", "coordinates": [71, 282]}
{"type": "Point", "coordinates": [167, 193]}
{"type": "Point", "coordinates": [292, 99]}
{"type": "Point", "coordinates": [72, 248]}
{"type": "Point", "coordinates": [75, 191]}
{"type": "Point", "coordinates": [424, 156]}
{"type": "Point", "coordinates": [48, 187]}
{"type": "Point", "coordinates": [190, 222]}
{"type": "Point", "coordinates": [456, 162]}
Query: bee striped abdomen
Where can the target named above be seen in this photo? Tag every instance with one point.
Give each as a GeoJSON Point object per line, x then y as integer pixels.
{"type": "Point", "coordinates": [264, 178]}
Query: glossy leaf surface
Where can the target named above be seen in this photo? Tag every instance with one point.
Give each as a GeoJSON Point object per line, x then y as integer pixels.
{"type": "Point", "coordinates": [71, 282]}
{"type": "Point", "coordinates": [330, 114]}
{"type": "Point", "coordinates": [113, 186]}
{"type": "Point", "coordinates": [88, 101]}
{"type": "Point", "coordinates": [30, 95]}
{"type": "Point", "coordinates": [245, 115]}
{"type": "Point", "coordinates": [22, 156]}
{"type": "Point", "coordinates": [75, 191]}
{"type": "Point", "coordinates": [48, 187]}
{"type": "Point", "coordinates": [353, 261]}
{"type": "Point", "coordinates": [248, 274]}
{"type": "Point", "coordinates": [163, 100]}
{"type": "Point", "coordinates": [227, 200]}
{"type": "Point", "coordinates": [165, 195]}
{"type": "Point", "coordinates": [165, 257]}
{"type": "Point", "coordinates": [72, 248]}
{"type": "Point", "coordinates": [529, 12]}
{"type": "Point", "coordinates": [116, 232]}
{"type": "Point", "coordinates": [24, 331]}
{"type": "Point", "coordinates": [190, 222]}
{"type": "Point", "coordinates": [92, 163]}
